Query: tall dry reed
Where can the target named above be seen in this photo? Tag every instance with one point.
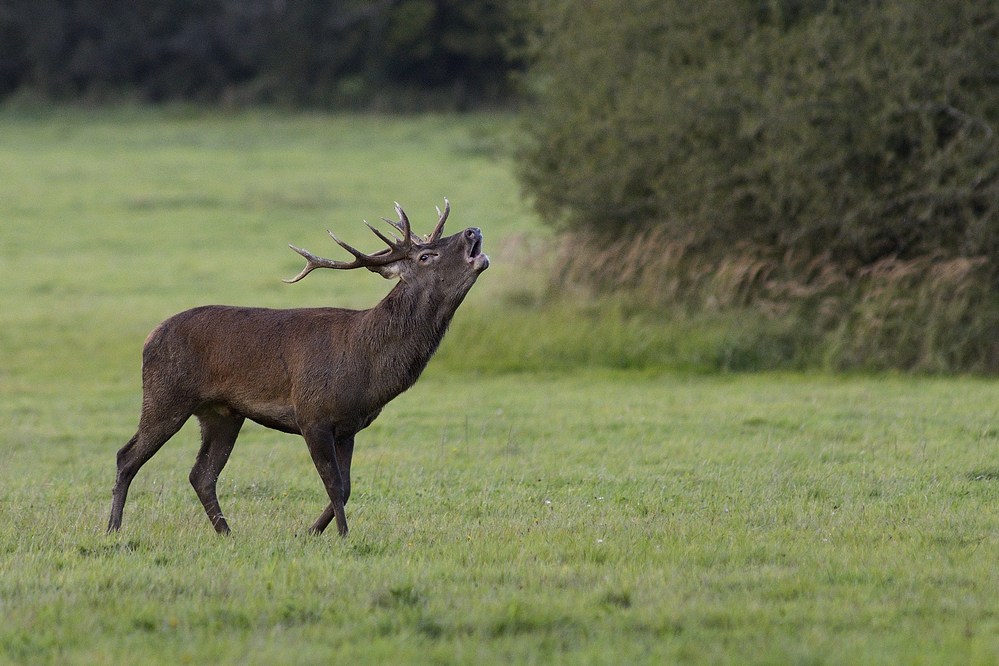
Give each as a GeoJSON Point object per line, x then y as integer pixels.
{"type": "Point", "coordinates": [929, 314]}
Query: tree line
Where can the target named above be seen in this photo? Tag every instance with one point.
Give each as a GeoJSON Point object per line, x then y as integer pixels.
{"type": "Point", "coordinates": [407, 54]}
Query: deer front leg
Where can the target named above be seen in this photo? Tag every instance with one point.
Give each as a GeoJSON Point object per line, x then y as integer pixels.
{"type": "Point", "coordinates": [344, 448]}
{"type": "Point", "coordinates": [321, 446]}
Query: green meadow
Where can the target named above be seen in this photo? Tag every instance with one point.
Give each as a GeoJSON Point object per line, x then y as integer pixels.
{"type": "Point", "coordinates": [566, 484]}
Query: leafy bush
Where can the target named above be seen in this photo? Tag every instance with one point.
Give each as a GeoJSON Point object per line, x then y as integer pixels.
{"type": "Point", "coordinates": [785, 142]}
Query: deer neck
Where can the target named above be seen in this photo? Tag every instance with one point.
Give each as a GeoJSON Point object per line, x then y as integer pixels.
{"type": "Point", "coordinates": [405, 329]}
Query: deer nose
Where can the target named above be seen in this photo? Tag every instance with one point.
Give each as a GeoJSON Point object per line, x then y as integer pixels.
{"type": "Point", "coordinates": [473, 233]}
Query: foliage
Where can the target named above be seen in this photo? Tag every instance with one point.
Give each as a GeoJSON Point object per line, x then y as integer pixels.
{"type": "Point", "coordinates": [782, 133]}
{"type": "Point", "coordinates": [866, 131]}
{"type": "Point", "coordinates": [392, 54]}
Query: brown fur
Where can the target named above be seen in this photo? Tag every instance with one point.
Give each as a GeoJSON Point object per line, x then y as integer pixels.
{"type": "Point", "coordinates": [322, 373]}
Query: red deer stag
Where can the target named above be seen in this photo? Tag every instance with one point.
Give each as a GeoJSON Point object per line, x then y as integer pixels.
{"type": "Point", "coordinates": [322, 373]}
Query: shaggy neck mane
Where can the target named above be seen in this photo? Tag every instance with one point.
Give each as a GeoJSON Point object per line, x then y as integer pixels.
{"type": "Point", "coordinates": [405, 329]}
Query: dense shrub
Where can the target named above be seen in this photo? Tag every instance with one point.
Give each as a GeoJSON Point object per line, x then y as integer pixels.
{"type": "Point", "coordinates": [803, 137]}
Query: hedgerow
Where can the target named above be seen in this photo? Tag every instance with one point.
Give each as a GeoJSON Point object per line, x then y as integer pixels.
{"type": "Point", "coordinates": [833, 146]}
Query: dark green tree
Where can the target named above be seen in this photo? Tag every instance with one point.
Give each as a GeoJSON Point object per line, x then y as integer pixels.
{"type": "Point", "coordinates": [391, 53]}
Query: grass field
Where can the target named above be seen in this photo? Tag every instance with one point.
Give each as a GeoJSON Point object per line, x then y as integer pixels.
{"type": "Point", "coordinates": [565, 512]}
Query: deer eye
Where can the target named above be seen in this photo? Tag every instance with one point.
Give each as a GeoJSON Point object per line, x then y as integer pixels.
{"type": "Point", "coordinates": [424, 258]}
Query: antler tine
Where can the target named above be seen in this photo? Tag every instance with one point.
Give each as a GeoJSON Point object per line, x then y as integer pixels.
{"type": "Point", "coordinates": [314, 262]}
{"type": "Point", "coordinates": [388, 241]}
{"type": "Point", "coordinates": [403, 225]}
{"type": "Point", "coordinates": [398, 227]}
{"type": "Point", "coordinates": [407, 232]}
{"type": "Point", "coordinates": [396, 250]}
{"type": "Point", "coordinates": [358, 255]}
{"type": "Point", "coordinates": [441, 218]}
{"type": "Point", "coordinates": [361, 260]}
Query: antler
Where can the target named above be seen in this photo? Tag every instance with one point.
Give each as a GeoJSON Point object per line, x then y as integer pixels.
{"type": "Point", "coordinates": [441, 217]}
{"type": "Point", "coordinates": [403, 224]}
{"type": "Point", "coordinates": [397, 248]}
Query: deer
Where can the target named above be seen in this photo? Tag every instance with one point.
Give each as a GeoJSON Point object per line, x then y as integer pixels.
{"type": "Point", "coordinates": [322, 373]}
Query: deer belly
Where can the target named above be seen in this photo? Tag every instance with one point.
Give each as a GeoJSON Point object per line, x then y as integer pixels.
{"type": "Point", "coordinates": [278, 417]}
{"type": "Point", "coordinates": [275, 416]}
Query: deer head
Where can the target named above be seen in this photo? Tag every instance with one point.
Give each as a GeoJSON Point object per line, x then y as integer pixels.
{"type": "Point", "coordinates": [452, 263]}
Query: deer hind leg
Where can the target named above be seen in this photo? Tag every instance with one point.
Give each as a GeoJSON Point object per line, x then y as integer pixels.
{"type": "Point", "coordinates": [218, 436]}
{"type": "Point", "coordinates": [320, 443]}
{"type": "Point", "coordinates": [344, 448]}
{"type": "Point", "coordinates": [156, 426]}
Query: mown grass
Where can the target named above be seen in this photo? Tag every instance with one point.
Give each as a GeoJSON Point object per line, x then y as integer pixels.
{"type": "Point", "coordinates": [578, 514]}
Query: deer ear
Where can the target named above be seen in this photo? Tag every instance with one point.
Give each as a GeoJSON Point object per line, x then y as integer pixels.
{"type": "Point", "coordinates": [388, 271]}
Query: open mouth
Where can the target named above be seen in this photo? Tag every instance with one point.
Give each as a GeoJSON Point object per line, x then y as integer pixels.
{"type": "Point", "coordinates": [479, 261]}
{"type": "Point", "coordinates": [476, 248]}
